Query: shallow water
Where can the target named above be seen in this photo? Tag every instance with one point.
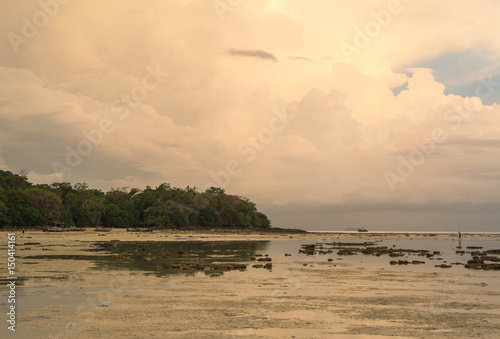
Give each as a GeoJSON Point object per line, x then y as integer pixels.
{"type": "Point", "coordinates": [125, 255]}
{"type": "Point", "coordinates": [120, 285]}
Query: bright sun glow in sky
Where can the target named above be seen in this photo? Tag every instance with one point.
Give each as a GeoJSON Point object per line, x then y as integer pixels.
{"type": "Point", "coordinates": [328, 114]}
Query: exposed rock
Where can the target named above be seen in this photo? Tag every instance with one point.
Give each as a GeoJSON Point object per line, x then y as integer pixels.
{"type": "Point", "coordinates": [443, 266]}
{"type": "Point", "coordinates": [477, 263]}
{"type": "Point", "coordinates": [399, 262]}
{"type": "Point", "coordinates": [346, 252]}
{"type": "Point", "coordinates": [200, 265]}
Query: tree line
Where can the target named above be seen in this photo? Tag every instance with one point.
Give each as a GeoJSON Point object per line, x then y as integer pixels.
{"type": "Point", "coordinates": [25, 204]}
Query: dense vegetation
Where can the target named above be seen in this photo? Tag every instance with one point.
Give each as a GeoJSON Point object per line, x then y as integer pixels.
{"type": "Point", "coordinates": [25, 204]}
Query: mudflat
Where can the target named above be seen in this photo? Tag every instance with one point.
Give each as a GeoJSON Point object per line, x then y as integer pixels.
{"type": "Point", "coordinates": [213, 284]}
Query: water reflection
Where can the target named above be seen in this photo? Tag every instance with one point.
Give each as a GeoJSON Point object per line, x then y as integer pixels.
{"type": "Point", "coordinates": [158, 257]}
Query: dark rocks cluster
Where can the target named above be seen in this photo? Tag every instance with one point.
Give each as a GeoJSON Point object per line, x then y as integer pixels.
{"type": "Point", "coordinates": [200, 265]}
{"type": "Point", "coordinates": [406, 262]}
{"type": "Point", "coordinates": [268, 266]}
{"type": "Point", "coordinates": [263, 258]}
{"type": "Point", "coordinates": [367, 248]}
{"type": "Point", "coordinates": [484, 260]}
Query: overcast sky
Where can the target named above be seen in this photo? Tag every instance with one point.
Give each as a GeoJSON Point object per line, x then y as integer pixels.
{"type": "Point", "coordinates": [327, 114]}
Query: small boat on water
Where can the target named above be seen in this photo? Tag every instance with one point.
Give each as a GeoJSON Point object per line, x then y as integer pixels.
{"type": "Point", "coordinates": [362, 229]}
{"type": "Point", "coordinates": [102, 229]}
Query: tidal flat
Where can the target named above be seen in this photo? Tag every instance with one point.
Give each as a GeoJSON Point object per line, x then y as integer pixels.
{"type": "Point", "coordinates": [216, 284]}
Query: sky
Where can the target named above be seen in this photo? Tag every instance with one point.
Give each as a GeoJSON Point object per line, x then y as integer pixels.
{"type": "Point", "coordinates": [330, 115]}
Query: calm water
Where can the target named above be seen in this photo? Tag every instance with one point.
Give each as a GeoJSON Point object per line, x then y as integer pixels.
{"type": "Point", "coordinates": [150, 257]}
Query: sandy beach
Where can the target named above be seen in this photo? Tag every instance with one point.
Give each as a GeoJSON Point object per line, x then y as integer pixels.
{"type": "Point", "coordinates": [71, 287]}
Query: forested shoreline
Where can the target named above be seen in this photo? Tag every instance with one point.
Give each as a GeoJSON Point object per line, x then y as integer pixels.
{"type": "Point", "coordinates": [23, 204]}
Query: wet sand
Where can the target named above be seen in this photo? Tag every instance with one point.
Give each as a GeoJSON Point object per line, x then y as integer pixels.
{"type": "Point", "coordinates": [68, 297]}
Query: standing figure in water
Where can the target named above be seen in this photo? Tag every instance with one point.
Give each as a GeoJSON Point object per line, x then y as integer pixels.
{"type": "Point", "coordinates": [459, 239]}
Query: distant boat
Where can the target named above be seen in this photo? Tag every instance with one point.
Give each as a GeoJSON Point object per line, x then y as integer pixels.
{"type": "Point", "coordinates": [362, 229]}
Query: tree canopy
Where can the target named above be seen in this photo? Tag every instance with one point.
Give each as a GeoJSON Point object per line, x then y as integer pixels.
{"type": "Point", "coordinates": [25, 204]}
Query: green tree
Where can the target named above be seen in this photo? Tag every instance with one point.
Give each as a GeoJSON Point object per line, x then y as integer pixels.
{"type": "Point", "coordinates": [87, 205]}
{"type": "Point", "coordinates": [47, 203]}
{"type": "Point", "coordinates": [20, 211]}
{"type": "Point", "coordinates": [24, 204]}
{"type": "Point", "coordinates": [4, 215]}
